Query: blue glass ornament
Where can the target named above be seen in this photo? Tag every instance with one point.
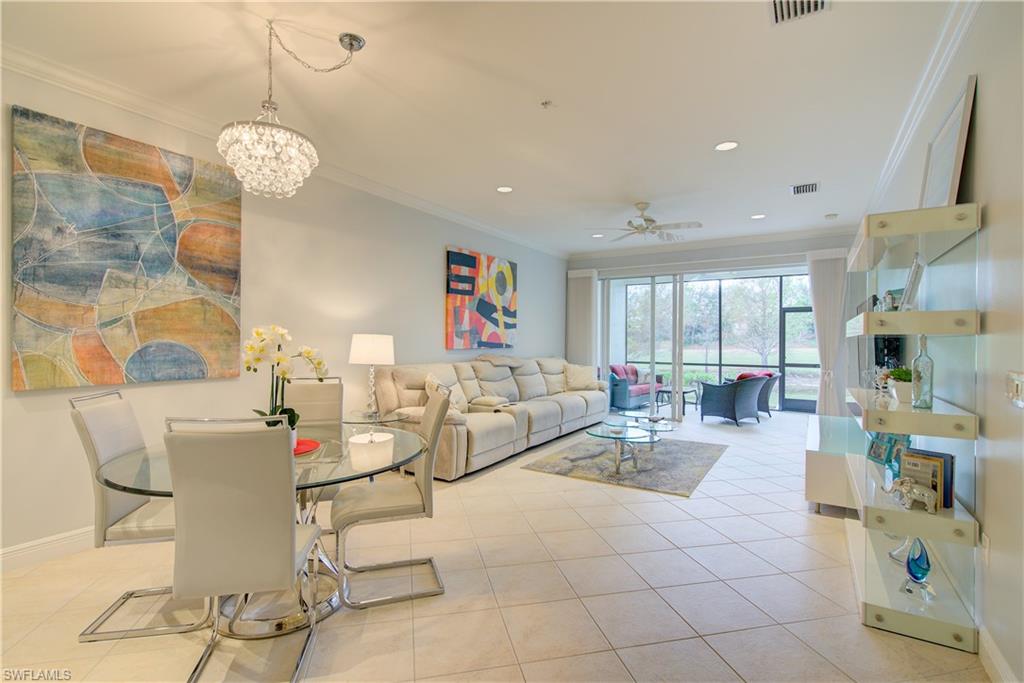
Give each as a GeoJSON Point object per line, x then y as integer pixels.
{"type": "Point", "coordinates": [918, 564]}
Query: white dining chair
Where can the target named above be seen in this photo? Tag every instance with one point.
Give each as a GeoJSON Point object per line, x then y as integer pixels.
{"type": "Point", "coordinates": [387, 501]}
{"type": "Point", "coordinates": [234, 491]}
{"type": "Point", "coordinates": [107, 427]}
{"type": "Point", "coordinates": [317, 401]}
{"type": "Point", "coordinates": [319, 404]}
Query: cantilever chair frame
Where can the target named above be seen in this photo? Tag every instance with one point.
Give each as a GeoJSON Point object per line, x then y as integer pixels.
{"type": "Point", "coordinates": [92, 632]}
{"type": "Point", "coordinates": [344, 568]}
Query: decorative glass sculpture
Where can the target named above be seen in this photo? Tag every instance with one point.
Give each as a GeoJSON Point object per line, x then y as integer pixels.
{"type": "Point", "coordinates": [900, 552]}
{"type": "Point", "coordinates": [918, 567]}
{"type": "Point", "coordinates": [921, 371]}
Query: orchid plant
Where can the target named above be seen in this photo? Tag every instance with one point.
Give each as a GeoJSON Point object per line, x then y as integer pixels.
{"type": "Point", "coordinates": [270, 346]}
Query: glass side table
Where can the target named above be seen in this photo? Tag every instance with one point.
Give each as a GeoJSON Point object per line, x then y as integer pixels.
{"type": "Point", "coordinates": [361, 418]}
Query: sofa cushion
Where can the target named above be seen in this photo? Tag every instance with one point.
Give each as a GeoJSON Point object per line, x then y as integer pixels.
{"type": "Point", "coordinates": [468, 381]}
{"type": "Point", "coordinates": [414, 415]}
{"type": "Point", "coordinates": [544, 414]}
{"type": "Point", "coordinates": [496, 380]}
{"type": "Point", "coordinates": [487, 431]}
{"type": "Point", "coordinates": [641, 389]}
{"type": "Point", "coordinates": [758, 373]}
{"type": "Point", "coordinates": [553, 370]}
{"type": "Point", "coordinates": [580, 377]}
{"type": "Point", "coordinates": [529, 380]}
{"type": "Point", "coordinates": [573, 407]}
{"type": "Point", "coordinates": [410, 381]}
{"type": "Point", "coordinates": [597, 401]}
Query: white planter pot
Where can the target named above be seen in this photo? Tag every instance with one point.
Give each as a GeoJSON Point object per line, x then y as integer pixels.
{"type": "Point", "coordinates": [901, 391]}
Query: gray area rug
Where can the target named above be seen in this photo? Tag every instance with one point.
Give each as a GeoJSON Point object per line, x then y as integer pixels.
{"type": "Point", "coordinates": [673, 466]}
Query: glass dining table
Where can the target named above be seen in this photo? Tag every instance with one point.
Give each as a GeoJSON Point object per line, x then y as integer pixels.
{"type": "Point", "coordinates": [337, 460]}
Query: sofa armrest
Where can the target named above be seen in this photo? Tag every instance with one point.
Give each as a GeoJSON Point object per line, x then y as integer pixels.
{"type": "Point", "coordinates": [414, 415]}
{"type": "Point", "coordinates": [487, 402]}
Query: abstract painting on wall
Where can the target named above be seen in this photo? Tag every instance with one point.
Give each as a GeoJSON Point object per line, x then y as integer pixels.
{"type": "Point", "coordinates": [127, 260]}
{"type": "Point", "coordinates": [481, 301]}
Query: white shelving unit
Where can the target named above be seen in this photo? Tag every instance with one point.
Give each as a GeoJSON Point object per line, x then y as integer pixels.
{"type": "Point", "coordinates": [914, 322]}
{"type": "Point", "coordinates": [885, 246]}
{"type": "Point", "coordinates": [880, 230]}
{"type": "Point", "coordinates": [881, 413]}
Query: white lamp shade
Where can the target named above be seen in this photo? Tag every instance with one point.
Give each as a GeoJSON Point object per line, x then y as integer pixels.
{"type": "Point", "coordinates": [372, 349]}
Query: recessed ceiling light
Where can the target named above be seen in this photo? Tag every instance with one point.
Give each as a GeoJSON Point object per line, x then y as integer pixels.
{"type": "Point", "coordinates": [831, 216]}
{"type": "Point", "coordinates": [504, 189]}
{"type": "Point", "coordinates": [758, 216]}
{"type": "Point", "coordinates": [726, 145]}
{"type": "Point", "coordinates": [598, 234]}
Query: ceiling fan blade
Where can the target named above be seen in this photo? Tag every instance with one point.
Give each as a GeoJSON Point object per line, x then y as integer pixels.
{"type": "Point", "coordinates": [684, 225]}
{"type": "Point", "coordinates": [622, 237]}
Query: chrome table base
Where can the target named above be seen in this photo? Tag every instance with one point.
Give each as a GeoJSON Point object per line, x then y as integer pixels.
{"type": "Point", "coordinates": [251, 617]}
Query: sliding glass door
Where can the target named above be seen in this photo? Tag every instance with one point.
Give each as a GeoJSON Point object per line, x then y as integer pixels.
{"type": "Point", "coordinates": [677, 331]}
{"type": "Point", "coordinates": [640, 337]}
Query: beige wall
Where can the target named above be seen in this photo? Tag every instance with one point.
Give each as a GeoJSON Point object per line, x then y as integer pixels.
{"type": "Point", "coordinates": [326, 263]}
{"type": "Point", "coordinates": [991, 49]}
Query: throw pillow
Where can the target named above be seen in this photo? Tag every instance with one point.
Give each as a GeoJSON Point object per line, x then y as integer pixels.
{"type": "Point", "coordinates": [580, 377]}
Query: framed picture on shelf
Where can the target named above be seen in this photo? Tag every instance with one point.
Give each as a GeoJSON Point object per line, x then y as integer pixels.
{"type": "Point", "coordinates": [880, 450]}
{"type": "Point", "coordinates": [932, 469]}
{"type": "Point", "coordinates": [909, 299]}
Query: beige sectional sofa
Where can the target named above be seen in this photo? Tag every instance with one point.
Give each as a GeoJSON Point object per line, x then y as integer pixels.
{"type": "Point", "coordinates": [499, 405]}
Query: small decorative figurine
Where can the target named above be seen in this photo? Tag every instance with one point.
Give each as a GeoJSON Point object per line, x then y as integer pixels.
{"type": "Point", "coordinates": [907, 492]}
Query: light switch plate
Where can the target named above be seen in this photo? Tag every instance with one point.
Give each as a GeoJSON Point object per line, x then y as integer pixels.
{"type": "Point", "coordinates": [1015, 387]}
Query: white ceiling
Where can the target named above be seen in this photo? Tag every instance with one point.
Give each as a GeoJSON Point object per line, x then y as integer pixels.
{"type": "Point", "coordinates": [444, 102]}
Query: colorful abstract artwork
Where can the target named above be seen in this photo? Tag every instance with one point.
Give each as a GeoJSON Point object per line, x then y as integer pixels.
{"type": "Point", "coordinates": [481, 301]}
{"type": "Point", "coordinates": [127, 260]}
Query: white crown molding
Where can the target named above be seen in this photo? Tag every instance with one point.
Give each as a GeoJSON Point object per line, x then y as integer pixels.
{"type": "Point", "coordinates": [48, 548]}
{"type": "Point", "coordinates": [821, 254]}
{"type": "Point", "coordinates": [958, 21]}
{"type": "Point", "coordinates": [671, 247]}
{"type": "Point", "coordinates": [40, 68]}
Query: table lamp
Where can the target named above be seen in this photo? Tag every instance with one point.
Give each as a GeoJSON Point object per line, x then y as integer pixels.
{"type": "Point", "coordinates": [372, 349]}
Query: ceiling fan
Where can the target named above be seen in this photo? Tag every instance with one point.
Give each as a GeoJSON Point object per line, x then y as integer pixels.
{"type": "Point", "coordinates": [644, 225]}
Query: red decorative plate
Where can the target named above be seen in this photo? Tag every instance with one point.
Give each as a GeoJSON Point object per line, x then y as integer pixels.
{"type": "Point", "coordinates": [304, 446]}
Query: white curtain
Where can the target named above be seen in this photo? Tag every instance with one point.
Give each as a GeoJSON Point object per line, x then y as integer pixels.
{"type": "Point", "coordinates": [581, 317]}
{"type": "Point", "coordinates": [827, 271]}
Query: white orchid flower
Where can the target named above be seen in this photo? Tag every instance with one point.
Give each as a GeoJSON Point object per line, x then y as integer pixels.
{"type": "Point", "coordinates": [247, 363]}
{"type": "Point", "coordinates": [259, 333]}
{"type": "Point", "coordinates": [284, 371]}
{"type": "Point", "coordinates": [256, 359]}
{"type": "Point", "coordinates": [281, 358]}
{"type": "Point", "coordinates": [281, 333]}
{"type": "Point", "coordinates": [250, 346]}
{"type": "Point", "coordinates": [307, 352]}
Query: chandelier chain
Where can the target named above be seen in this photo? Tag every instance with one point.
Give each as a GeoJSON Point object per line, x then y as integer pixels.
{"type": "Point", "coordinates": [291, 53]}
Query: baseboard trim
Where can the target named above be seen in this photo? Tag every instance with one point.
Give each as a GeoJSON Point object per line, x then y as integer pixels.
{"type": "Point", "coordinates": [48, 548]}
{"type": "Point", "coordinates": [992, 659]}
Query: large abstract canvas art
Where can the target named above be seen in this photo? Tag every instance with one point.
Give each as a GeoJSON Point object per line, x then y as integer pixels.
{"type": "Point", "coordinates": [127, 260]}
{"type": "Point", "coordinates": [481, 301]}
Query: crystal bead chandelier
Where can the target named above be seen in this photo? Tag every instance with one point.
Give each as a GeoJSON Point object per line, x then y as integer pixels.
{"type": "Point", "coordinates": [270, 159]}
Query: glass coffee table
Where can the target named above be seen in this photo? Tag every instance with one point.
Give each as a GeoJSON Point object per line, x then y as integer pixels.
{"type": "Point", "coordinates": [625, 436]}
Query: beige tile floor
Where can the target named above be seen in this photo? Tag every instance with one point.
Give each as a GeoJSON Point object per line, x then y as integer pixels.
{"type": "Point", "coordinates": [548, 579]}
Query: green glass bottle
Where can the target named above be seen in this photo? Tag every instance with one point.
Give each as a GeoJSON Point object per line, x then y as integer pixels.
{"type": "Point", "coordinates": [922, 369]}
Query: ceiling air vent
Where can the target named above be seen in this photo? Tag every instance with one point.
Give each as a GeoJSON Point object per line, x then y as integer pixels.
{"type": "Point", "coordinates": [788, 10]}
{"type": "Point", "coordinates": [806, 188]}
